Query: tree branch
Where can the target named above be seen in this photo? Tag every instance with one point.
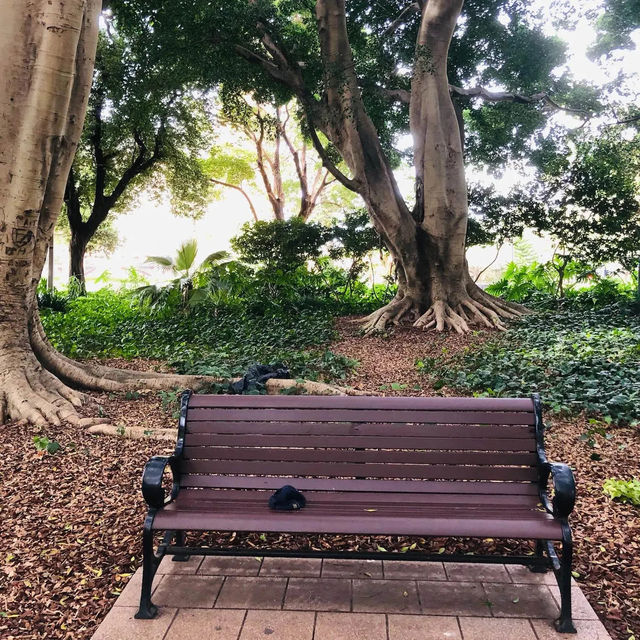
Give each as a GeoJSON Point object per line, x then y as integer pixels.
{"type": "Point", "coordinates": [328, 164]}
{"type": "Point", "coordinates": [414, 7]}
{"type": "Point", "coordinates": [242, 191]}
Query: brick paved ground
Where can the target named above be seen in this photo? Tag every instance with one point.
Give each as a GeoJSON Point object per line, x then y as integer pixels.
{"type": "Point", "coordinates": [298, 599]}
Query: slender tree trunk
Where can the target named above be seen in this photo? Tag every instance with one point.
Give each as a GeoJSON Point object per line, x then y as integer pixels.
{"type": "Point", "coordinates": [77, 250]}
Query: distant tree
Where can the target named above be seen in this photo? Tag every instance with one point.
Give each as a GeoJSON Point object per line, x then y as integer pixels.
{"type": "Point", "coordinates": [281, 150]}
{"type": "Point", "coordinates": [144, 130]}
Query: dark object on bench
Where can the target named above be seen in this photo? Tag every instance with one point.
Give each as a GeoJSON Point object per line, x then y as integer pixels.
{"type": "Point", "coordinates": [287, 498]}
{"type": "Point", "coordinates": [463, 467]}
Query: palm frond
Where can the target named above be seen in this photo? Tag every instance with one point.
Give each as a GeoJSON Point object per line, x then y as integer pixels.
{"type": "Point", "coordinates": [186, 255]}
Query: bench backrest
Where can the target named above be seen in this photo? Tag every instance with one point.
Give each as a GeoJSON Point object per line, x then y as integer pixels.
{"type": "Point", "coordinates": [469, 445]}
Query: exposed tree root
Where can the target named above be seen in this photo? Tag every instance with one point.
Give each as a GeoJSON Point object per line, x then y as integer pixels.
{"type": "Point", "coordinates": [31, 394]}
{"type": "Point", "coordinates": [475, 307]}
{"type": "Point", "coordinates": [133, 433]}
{"type": "Point", "coordinates": [40, 386]}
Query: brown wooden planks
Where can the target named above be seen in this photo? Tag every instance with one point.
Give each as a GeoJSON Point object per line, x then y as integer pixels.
{"type": "Point", "coordinates": [364, 402]}
{"type": "Point", "coordinates": [200, 498]}
{"type": "Point", "coordinates": [362, 428]}
{"type": "Point", "coordinates": [367, 442]}
{"type": "Point", "coordinates": [360, 415]}
{"type": "Point", "coordinates": [372, 470]}
{"type": "Point", "coordinates": [308, 521]}
{"type": "Point", "coordinates": [349, 455]}
{"type": "Point", "coordinates": [351, 485]}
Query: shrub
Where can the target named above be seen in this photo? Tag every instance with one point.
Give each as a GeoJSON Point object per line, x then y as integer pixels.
{"type": "Point", "coordinates": [577, 359]}
{"type": "Point", "coordinates": [623, 490]}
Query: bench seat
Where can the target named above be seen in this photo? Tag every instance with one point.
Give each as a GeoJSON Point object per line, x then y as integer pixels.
{"type": "Point", "coordinates": [425, 467]}
{"type": "Point", "coordinates": [462, 515]}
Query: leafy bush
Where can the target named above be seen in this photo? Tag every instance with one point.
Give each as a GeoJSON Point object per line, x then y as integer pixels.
{"type": "Point", "coordinates": [623, 490]}
{"type": "Point", "coordinates": [213, 340]}
{"type": "Point", "coordinates": [521, 282]}
{"type": "Point", "coordinates": [577, 359]}
{"type": "Point", "coordinates": [281, 245]}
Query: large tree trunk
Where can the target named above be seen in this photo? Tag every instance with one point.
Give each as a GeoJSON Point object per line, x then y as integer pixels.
{"type": "Point", "coordinates": [46, 63]}
{"type": "Point", "coordinates": [428, 244]}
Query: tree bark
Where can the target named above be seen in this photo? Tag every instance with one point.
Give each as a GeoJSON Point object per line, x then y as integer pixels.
{"type": "Point", "coordinates": [77, 249]}
{"type": "Point", "coordinates": [46, 63]}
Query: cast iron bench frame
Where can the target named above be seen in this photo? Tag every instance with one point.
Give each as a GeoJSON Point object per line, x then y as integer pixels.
{"type": "Point", "coordinates": [559, 506]}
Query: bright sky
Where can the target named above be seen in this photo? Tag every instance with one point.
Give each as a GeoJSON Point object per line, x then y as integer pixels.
{"type": "Point", "coordinates": [152, 229]}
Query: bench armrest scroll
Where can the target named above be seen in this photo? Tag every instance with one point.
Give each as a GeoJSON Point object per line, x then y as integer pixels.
{"type": "Point", "coordinates": [152, 489]}
{"type": "Point", "coordinates": [564, 487]}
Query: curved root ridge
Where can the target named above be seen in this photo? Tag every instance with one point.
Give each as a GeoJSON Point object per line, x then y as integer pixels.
{"type": "Point", "coordinates": [475, 308]}
{"type": "Point", "coordinates": [441, 316]}
{"type": "Point", "coordinates": [33, 395]}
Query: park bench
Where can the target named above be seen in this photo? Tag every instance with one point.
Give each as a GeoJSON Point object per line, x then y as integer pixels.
{"type": "Point", "coordinates": [458, 467]}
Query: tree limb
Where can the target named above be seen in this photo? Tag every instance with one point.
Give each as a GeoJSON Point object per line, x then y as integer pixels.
{"type": "Point", "coordinates": [328, 164]}
{"type": "Point", "coordinates": [414, 7]}
{"type": "Point", "coordinates": [242, 191]}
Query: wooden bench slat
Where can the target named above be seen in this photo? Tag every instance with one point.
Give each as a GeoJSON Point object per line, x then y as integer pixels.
{"type": "Point", "coordinates": [363, 402]}
{"type": "Point", "coordinates": [352, 485]}
{"type": "Point", "coordinates": [347, 455]}
{"type": "Point", "coordinates": [339, 469]}
{"type": "Point", "coordinates": [367, 442]}
{"type": "Point", "coordinates": [360, 415]}
{"type": "Point", "coordinates": [362, 428]}
{"type": "Point", "coordinates": [364, 499]}
{"type": "Point", "coordinates": [308, 521]}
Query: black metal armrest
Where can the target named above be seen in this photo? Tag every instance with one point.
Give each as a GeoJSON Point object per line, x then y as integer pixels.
{"type": "Point", "coordinates": [152, 489]}
{"type": "Point", "coordinates": [564, 487]}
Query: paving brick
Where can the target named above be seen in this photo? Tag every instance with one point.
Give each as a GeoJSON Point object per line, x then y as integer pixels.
{"type": "Point", "coordinates": [251, 593]}
{"type": "Point", "coordinates": [189, 567]}
{"type": "Point", "coordinates": [225, 566]}
{"type": "Point", "coordinates": [354, 626]}
{"type": "Point", "coordinates": [212, 624]}
{"type": "Point", "coordinates": [587, 630]}
{"type": "Point", "coordinates": [318, 594]}
{"type": "Point", "coordinates": [524, 575]}
{"type": "Point", "coordinates": [187, 591]}
{"type": "Point", "coordinates": [413, 570]}
{"type": "Point", "coordinates": [423, 628]}
{"type": "Point", "coordinates": [580, 607]}
{"type": "Point", "coordinates": [492, 628]}
{"type": "Point", "coordinates": [521, 601]}
{"type": "Point", "coordinates": [385, 596]}
{"type": "Point", "coordinates": [335, 568]}
{"type": "Point", "coordinates": [476, 572]}
{"type": "Point", "coordinates": [305, 567]}
{"type": "Point", "coordinates": [121, 625]}
{"type": "Point", "coordinates": [278, 625]}
{"type": "Point", "coordinates": [130, 596]}
{"type": "Point", "coordinates": [453, 598]}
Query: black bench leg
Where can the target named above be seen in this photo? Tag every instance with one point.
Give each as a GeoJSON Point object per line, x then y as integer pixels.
{"type": "Point", "coordinates": [180, 542]}
{"type": "Point", "coordinates": [147, 609]}
{"type": "Point", "coordinates": [564, 624]}
{"type": "Point", "coordinates": [541, 565]}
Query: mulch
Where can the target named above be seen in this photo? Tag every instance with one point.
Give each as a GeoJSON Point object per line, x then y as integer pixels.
{"type": "Point", "coordinates": [70, 522]}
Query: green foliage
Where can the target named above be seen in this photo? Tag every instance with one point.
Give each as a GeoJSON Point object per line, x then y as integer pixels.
{"type": "Point", "coordinates": [54, 300]}
{"type": "Point", "coordinates": [280, 245]}
{"type": "Point", "coordinates": [521, 282]}
{"type": "Point", "coordinates": [43, 444]}
{"type": "Point", "coordinates": [213, 340]}
{"type": "Point", "coordinates": [181, 288]}
{"type": "Point", "coordinates": [578, 359]}
{"type": "Point", "coordinates": [623, 490]}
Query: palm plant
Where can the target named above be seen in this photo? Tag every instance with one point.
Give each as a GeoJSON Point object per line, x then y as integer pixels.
{"type": "Point", "coordinates": [183, 268]}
